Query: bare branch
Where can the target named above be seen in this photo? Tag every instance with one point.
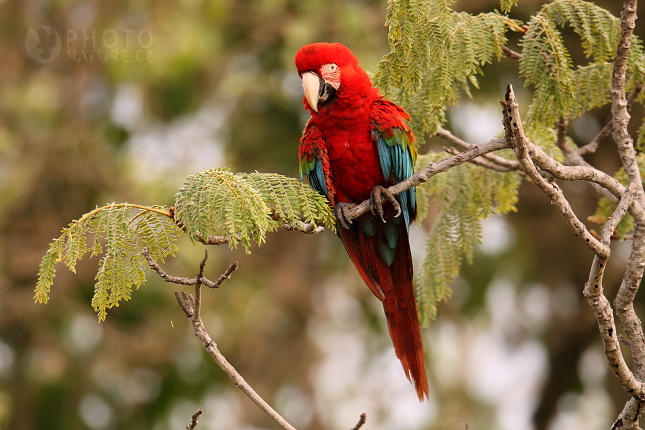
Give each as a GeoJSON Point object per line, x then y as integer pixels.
{"type": "Point", "coordinates": [592, 146]}
{"type": "Point", "coordinates": [360, 422]}
{"type": "Point", "coordinates": [561, 140]}
{"type": "Point", "coordinates": [511, 54]}
{"type": "Point", "coordinates": [515, 135]}
{"type": "Point", "coordinates": [630, 416]}
{"type": "Point", "coordinates": [478, 161]}
{"type": "Point", "coordinates": [195, 419]}
{"type": "Point", "coordinates": [619, 112]}
{"type": "Point", "coordinates": [226, 275]}
{"type": "Point", "coordinates": [192, 308]}
{"type": "Point", "coordinates": [509, 164]}
{"type": "Point", "coordinates": [304, 227]}
{"type": "Point", "coordinates": [168, 278]}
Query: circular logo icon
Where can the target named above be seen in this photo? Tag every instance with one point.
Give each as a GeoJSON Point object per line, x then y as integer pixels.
{"type": "Point", "coordinates": [42, 44]}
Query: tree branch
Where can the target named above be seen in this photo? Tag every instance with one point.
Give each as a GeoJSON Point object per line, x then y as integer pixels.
{"type": "Point", "coordinates": [501, 161]}
{"type": "Point", "coordinates": [194, 419]}
{"type": "Point", "coordinates": [191, 305]}
{"type": "Point", "coordinates": [515, 135]}
{"type": "Point", "coordinates": [432, 169]}
{"type": "Point", "coordinates": [478, 161]}
{"type": "Point", "coordinates": [592, 146]}
{"type": "Point", "coordinates": [630, 415]}
{"type": "Point", "coordinates": [624, 301]}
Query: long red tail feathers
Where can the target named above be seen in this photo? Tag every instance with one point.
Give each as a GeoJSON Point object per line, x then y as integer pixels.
{"type": "Point", "coordinates": [393, 286]}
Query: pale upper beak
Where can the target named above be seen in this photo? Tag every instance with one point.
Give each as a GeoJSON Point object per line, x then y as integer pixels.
{"type": "Point", "coordinates": [311, 83]}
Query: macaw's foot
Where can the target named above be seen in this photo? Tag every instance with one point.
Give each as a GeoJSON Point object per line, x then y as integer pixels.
{"type": "Point", "coordinates": [342, 214]}
{"type": "Point", "coordinates": [376, 201]}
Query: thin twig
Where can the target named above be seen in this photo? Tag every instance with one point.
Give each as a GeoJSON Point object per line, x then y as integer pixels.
{"type": "Point", "coordinates": [194, 419]}
{"type": "Point", "coordinates": [447, 135]}
{"type": "Point", "coordinates": [226, 275]}
{"type": "Point", "coordinates": [478, 161]}
{"type": "Point", "coordinates": [360, 422]}
{"type": "Point", "coordinates": [192, 308]}
{"type": "Point", "coordinates": [592, 146]}
{"type": "Point", "coordinates": [511, 54]}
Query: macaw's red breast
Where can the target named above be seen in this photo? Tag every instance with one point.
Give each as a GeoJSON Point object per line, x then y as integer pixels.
{"type": "Point", "coordinates": [345, 121]}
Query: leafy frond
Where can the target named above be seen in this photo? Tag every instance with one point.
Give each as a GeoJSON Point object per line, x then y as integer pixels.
{"type": "Point", "coordinates": [217, 201]}
{"type": "Point", "coordinates": [546, 64]}
{"type": "Point", "coordinates": [125, 236]}
{"type": "Point", "coordinates": [561, 91]}
{"type": "Point", "coordinates": [506, 5]}
{"type": "Point", "coordinates": [290, 200]}
{"type": "Point", "coordinates": [435, 51]}
{"type": "Point", "coordinates": [244, 207]}
{"type": "Point", "coordinates": [592, 87]}
{"type": "Point", "coordinates": [465, 195]}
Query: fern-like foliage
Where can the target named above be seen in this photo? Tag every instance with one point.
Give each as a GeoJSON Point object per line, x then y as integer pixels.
{"type": "Point", "coordinates": [435, 52]}
{"type": "Point", "coordinates": [561, 90]}
{"type": "Point", "coordinates": [124, 235]}
{"type": "Point", "coordinates": [465, 195]}
{"type": "Point", "coordinates": [506, 5]}
{"type": "Point", "coordinates": [244, 207]}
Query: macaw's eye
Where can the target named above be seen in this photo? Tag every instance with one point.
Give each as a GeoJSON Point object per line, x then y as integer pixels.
{"type": "Point", "coordinates": [333, 67]}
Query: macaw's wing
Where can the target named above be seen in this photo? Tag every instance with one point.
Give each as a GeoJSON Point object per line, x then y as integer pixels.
{"type": "Point", "coordinates": [396, 148]}
{"type": "Point", "coordinates": [314, 161]}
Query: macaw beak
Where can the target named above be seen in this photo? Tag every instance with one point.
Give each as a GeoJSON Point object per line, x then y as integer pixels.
{"type": "Point", "coordinates": [312, 85]}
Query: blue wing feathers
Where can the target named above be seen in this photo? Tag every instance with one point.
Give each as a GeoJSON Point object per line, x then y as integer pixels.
{"type": "Point", "coordinates": [317, 178]}
{"type": "Point", "coordinates": [396, 160]}
{"type": "Point", "coordinates": [384, 157]}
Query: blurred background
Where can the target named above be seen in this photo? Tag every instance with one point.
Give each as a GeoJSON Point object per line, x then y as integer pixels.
{"type": "Point", "coordinates": [136, 96]}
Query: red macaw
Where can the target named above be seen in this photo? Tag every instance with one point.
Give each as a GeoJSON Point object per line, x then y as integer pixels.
{"type": "Point", "coordinates": [354, 146]}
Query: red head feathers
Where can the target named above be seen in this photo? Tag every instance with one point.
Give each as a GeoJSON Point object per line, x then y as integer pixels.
{"type": "Point", "coordinates": [329, 71]}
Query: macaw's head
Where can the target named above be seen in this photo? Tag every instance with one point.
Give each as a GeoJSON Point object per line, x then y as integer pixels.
{"type": "Point", "coordinates": [329, 70]}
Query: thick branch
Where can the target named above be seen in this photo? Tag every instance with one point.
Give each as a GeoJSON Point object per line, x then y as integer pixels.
{"type": "Point", "coordinates": [630, 416]}
{"type": "Point", "coordinates": [624, 302]}
{"type": "Point", "coordinates": [619, 111]}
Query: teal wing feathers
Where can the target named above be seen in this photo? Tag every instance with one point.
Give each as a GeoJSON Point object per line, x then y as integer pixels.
{"type": "Point", "coordinates": [396, 148]}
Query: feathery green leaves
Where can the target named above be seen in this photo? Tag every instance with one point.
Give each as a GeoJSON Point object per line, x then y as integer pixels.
{"type": "Point", "coordinates": [241, 206]}
{"type": "Point", "coordinates": [561, 90]}
{"type": "Point", "coordinates": [244, 207]}
{"type": "Point", "coordinates": [465, 195]}
{"type": "Point", "coordinates": [121, 267]}
{"type": "Point", "coordinates": [435, 52]}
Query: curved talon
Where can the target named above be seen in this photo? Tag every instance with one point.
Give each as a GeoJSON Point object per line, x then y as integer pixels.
{"type": "Point", "coordinates": [342, 214]}
{"type": "Point", "coordinates": [376, 201]}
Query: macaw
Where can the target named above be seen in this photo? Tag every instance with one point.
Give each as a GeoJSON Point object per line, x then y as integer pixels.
{"type": "Point", "coordinates": [355, 145]}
